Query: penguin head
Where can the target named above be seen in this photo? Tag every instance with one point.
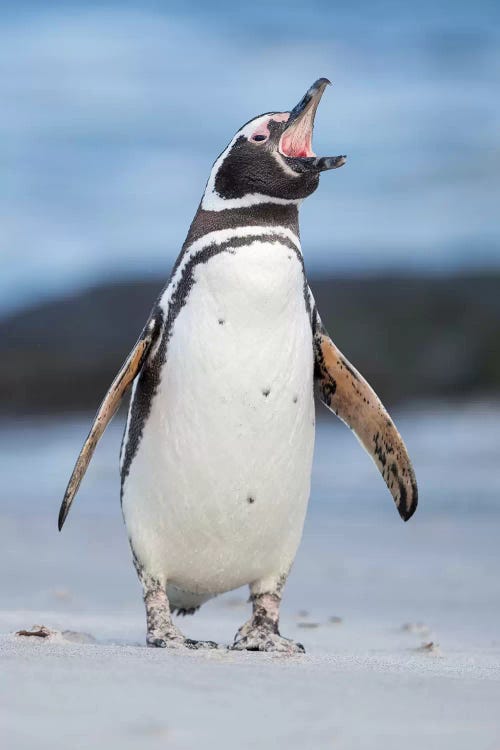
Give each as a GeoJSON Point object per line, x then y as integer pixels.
{"type": "Point", "coordinates": [270, 159]}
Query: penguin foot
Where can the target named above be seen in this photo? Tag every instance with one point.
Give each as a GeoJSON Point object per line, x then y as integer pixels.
{"type": "Point", "coordinates": [263, 639]}
{"type": "Point", "coordinates": [189, 643]}
{"type": "Point", "coordinates": [177, 642]}
{"type": "Point", "coordinates": [261, 632]}
{"type": "Point", "coordinates": [167, 641]}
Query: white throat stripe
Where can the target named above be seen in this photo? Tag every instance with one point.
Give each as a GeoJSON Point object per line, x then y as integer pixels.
{"type": "Point", "coordinates": [212, 201]}
{"type": "Point", "coordinates": [218, 238]}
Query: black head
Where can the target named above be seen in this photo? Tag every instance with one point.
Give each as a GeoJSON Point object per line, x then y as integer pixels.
{"type": "Point", "coordinates": [270, 159]}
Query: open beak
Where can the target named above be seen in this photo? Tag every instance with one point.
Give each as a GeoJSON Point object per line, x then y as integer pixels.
{"type": "Point", "coordinates": [296, 141]}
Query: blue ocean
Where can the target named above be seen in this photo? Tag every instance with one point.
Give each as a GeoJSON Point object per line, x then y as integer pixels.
{"type": "Point", "coordinates": [112, 114]}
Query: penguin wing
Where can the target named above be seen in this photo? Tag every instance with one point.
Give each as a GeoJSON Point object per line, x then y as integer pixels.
{"type": "Point", "coordinates": [128, 372]}
{"type": "Point", "coordinates": [343, 390]}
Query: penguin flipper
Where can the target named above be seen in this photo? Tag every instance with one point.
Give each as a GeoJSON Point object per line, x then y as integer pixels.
{"type": "Point", "coordinates": [128, 372]}
{"type": "Point", "coordinates": [343, 390]}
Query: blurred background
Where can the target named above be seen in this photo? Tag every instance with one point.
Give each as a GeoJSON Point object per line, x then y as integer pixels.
{"type": "Point", "coordinates": [111, 116]}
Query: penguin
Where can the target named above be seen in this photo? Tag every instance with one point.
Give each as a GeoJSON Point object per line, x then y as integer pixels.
{"type": "Point", "coordinates": [217, 451]}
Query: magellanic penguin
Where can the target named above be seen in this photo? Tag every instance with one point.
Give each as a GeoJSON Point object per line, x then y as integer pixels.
{"type": "Point", "coordinates": [218, 445]}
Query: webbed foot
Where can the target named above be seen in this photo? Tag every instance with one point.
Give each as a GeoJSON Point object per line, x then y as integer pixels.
{"type": "Point", "coordinates": [178, 642]}
{"type": "Point", "coordinates": [262, 639]}
{"type": "Point", "coordinates": [161, 630]}
{"type": "Point", "coordinates": [261, 632]}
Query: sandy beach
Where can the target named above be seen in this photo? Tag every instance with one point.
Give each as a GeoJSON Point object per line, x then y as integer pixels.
{"type": "Point", "coordinates": [368, 596]}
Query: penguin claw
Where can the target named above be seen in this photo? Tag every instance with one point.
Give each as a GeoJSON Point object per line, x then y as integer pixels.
{"type": "Point", "coordinates": [189, 643]}
{"type": "Point", "coordinates": [164, 642]}
{"type": "Point", "coordinates": [259, 640]}
{"type": "Point", "coordinates": [177, 643]}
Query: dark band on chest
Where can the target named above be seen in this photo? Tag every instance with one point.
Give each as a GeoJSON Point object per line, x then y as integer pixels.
{"type": "Point", "coordinates": [147, 384]}
{"type": "Point", "coordinates": [181, 291]}
{"type": "Point", "coordinates": [261, 215]}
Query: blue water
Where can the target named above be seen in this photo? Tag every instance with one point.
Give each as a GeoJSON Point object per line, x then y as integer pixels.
{"type": "Point", "coordinates": [113, 113]}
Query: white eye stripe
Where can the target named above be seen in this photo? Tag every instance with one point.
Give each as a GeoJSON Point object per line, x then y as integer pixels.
{"type": "Point", "coordinates": [212, 201]}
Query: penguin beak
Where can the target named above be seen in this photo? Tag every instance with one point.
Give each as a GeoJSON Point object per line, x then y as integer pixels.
{"type": "Point", "coordinates": [296, 141]}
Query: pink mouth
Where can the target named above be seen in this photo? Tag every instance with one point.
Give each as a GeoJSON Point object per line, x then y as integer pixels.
{"type": "Point", "coordinates": [297, 140]}
{"type": "Point", "coordinates": [295, 143]}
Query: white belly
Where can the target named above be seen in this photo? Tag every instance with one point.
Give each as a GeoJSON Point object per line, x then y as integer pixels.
{"type": "Point", "coordinates": [217, 492]}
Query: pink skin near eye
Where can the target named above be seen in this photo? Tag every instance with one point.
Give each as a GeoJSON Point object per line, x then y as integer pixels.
{"type": "Point", "coordinates": [263, 129]}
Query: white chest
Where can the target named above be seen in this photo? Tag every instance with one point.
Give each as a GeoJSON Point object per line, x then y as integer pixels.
{"type": "Point", "coordinates": [223, 467]}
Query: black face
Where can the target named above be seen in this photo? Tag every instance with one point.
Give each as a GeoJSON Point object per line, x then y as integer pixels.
{"type": "Point", "coordinates": [272, 155]}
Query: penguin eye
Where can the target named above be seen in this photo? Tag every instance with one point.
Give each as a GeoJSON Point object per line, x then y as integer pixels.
{"type": "Point", "coordinates": [259, 138]}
